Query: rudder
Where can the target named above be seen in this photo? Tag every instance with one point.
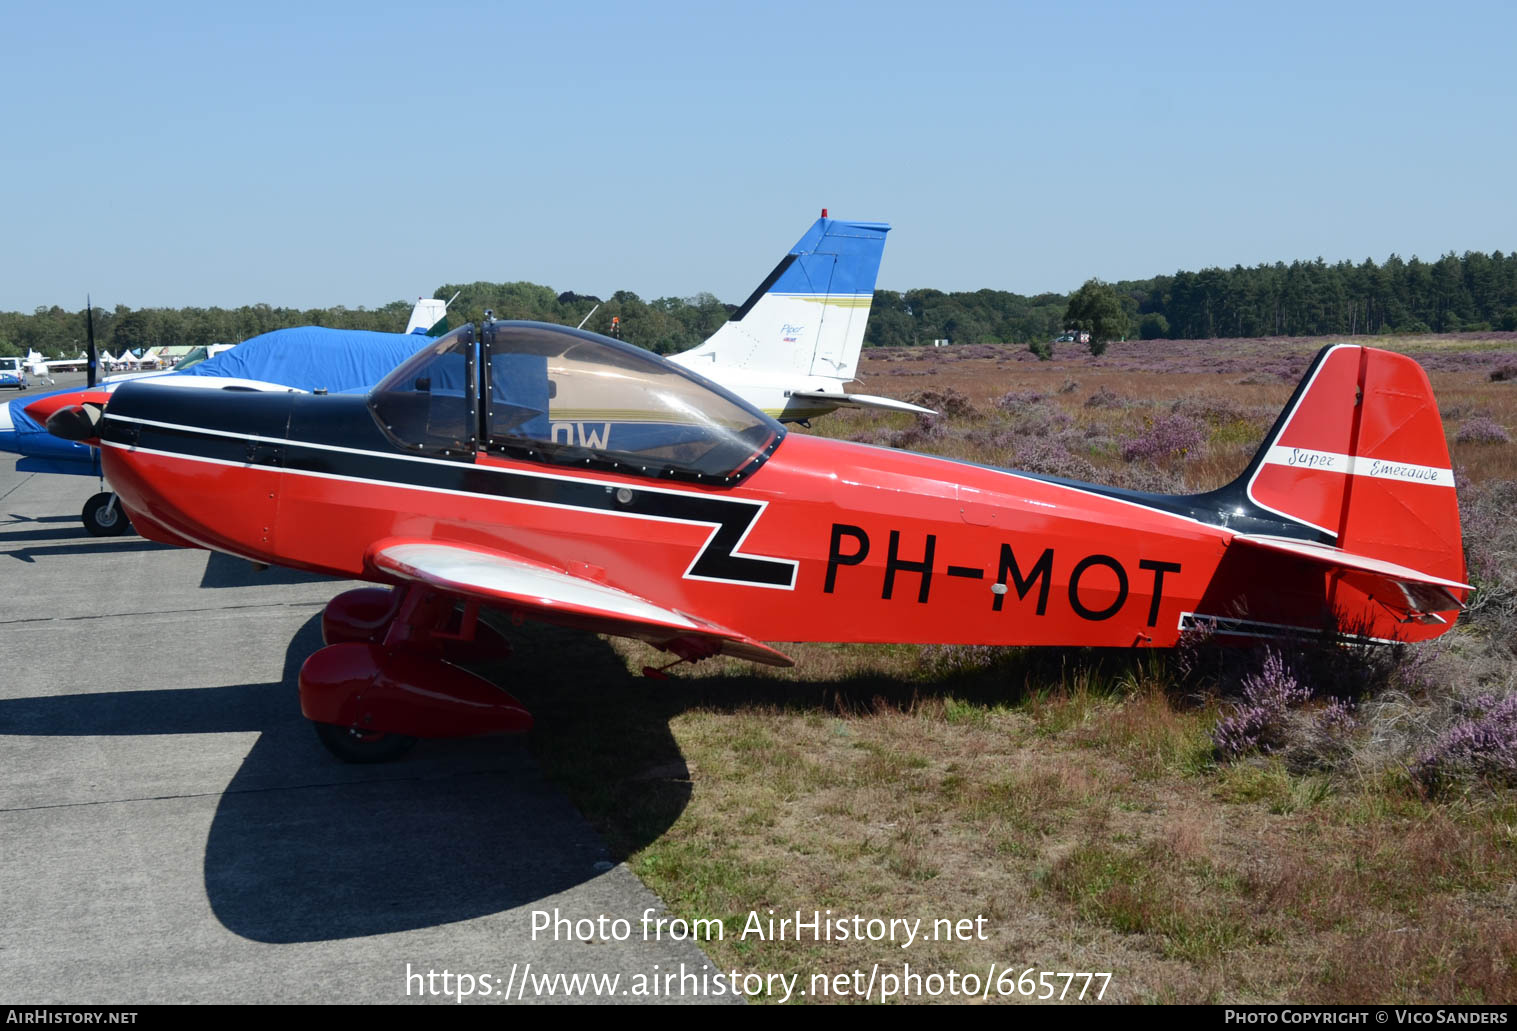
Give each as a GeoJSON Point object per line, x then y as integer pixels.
{"type": "Point", "coordinates": [1360, 455]}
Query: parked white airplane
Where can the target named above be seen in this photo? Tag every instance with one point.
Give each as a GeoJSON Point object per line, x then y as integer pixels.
{"type": "Point", "coordinates": [794, 344]}
{"type": "Point", "coordinates": [41, 367]}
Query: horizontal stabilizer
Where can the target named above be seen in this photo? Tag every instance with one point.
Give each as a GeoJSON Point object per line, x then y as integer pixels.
{"type": "Point", "coordinates": [859, 401]}
{"type": "Point", "coordinates": [1412, 594]}
{"type": "Point", "coordinates": [550, 595]}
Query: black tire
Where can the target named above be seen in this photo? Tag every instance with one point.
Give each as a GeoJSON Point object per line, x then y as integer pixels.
{"type": "Point", "coordinates": [352, 745]}
{"type": "Point", "coordinates": [102, 519]}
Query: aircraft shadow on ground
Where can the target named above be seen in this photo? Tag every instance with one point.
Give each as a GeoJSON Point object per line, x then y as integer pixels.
{"type": "Point", "coordinates": [93, 546]}
{"type": "Point", "coordinates": [17, 536]}
{"type": "Point", "coordinates": [14, 518]}
{"type": "Point", "coordinates": [455, 830]}
{"type": "Point", "coordinates": [305, 848]}
{"type": "Point", "coordinates": [226, 571]}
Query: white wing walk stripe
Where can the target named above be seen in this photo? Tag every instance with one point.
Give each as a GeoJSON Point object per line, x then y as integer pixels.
{"type": "Point", "coordinates": [1375, 468]}
{"type": "Point", "coordinates": [465, 569]}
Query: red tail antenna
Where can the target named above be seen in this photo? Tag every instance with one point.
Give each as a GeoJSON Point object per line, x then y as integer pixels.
{"type": "Point", "coordinates": [824, 212]}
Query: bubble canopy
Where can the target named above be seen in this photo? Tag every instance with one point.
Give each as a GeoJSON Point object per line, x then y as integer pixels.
{"type": "Point", "coordinates": [561, 396]}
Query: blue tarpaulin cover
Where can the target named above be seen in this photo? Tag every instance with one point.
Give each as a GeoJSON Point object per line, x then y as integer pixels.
{"type": "Point", "coordinates": [306, 357]}
{"type": "Point", "coordinates": [312, 357]}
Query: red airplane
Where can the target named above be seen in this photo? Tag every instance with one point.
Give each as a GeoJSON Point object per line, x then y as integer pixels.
{"type": "Point", "coordinates": [565, 477]}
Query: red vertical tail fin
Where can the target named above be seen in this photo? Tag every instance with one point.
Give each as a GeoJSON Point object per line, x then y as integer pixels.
{"type": "Point", "coordinates": [1360, 455]}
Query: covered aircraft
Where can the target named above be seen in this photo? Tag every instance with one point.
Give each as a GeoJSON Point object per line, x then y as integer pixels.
{"type": "Point", "coordinates": [569, 478]}
{"type": "Point", "coordinates": [301, 358]}
{"type": "Point", "coordinates": [305, 358]}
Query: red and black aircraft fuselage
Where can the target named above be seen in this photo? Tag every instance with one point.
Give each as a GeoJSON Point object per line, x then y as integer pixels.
{"type": "Point", "coordinates": [570, 478]}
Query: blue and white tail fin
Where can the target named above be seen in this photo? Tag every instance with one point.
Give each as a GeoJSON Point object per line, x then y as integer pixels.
{"type": "Point", "coordinates": [807, 318]}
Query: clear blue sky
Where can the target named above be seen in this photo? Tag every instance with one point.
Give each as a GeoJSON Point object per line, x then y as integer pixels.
{"type": "Point", "coordinates": [315, 154]}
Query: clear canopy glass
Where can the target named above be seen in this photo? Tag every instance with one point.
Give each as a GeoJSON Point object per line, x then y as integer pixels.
{"type": "Point", "coordinates": [559, 395]}
{"type": "Point", "coordinates": [428, 403]}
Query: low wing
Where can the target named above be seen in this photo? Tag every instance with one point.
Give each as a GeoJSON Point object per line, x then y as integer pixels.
{"type": "Point", "coordinates": [541, 592]}
{"type": "Point", "coordinates": [859, 401]}
{"type": "Point", "coordinates": [1413, 595]}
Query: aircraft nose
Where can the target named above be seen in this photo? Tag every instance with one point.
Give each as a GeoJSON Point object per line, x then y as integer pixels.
{"type": "Point", "coordinates": [76, 422]}
{"type": "Point", "coordinates": [43, 407]}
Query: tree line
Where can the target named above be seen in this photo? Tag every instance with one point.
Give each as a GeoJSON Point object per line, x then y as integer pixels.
{"type": "Point", "coordinates": [1472, 292]}
{"type": "Point", "coordinates": [665, 325]}
{"type": "Point", "coordinates": [1469, 292]}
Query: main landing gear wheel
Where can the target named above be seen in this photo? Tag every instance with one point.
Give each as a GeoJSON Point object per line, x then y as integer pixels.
{"type": "Point", "coordinates": [352, 745]}
{"type": "Point", "coordinates": [104, 517]}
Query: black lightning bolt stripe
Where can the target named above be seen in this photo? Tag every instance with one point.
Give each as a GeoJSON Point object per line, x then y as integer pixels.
{"type": "Point", "coordinates": [718, 560]}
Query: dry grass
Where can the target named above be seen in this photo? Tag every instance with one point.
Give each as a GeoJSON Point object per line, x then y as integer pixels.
{"type": "Point", "coordinates": [1085, 822]}
{"type": "Point", "coordinates": [1071, 799]}
{"type": "Point", "coordinates": [1462, 393]}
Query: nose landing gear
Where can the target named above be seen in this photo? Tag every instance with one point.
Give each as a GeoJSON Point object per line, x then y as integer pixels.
{"type": "Point", "coordinates": [104, 517]}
